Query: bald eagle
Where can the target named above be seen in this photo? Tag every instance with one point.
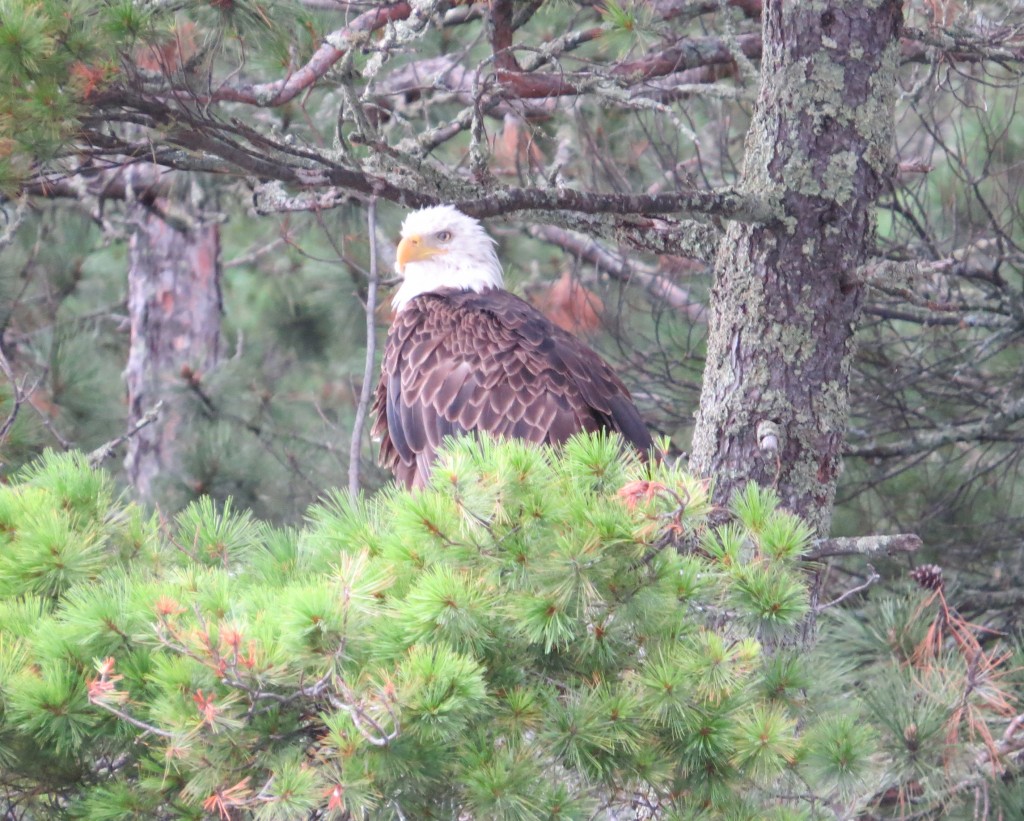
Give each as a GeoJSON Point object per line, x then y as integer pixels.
{"type": "Point", "coordinates": [465, 356]}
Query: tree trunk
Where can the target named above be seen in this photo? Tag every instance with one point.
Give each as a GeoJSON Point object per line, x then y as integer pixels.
{"type": "Point", "coordinates": [787, 299]}
{"type": "Point", "coordinates": [174, 303]}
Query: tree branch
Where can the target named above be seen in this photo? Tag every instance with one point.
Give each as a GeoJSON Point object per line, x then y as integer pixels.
{"type": "Point", "coordinates": [98, 456]}
{"type": "Point", "coordinates": [726, 203]}
{"type": "Point", "coordinates": [130, 719]}
{"type": "Point", "coordinates": [335, 46]}
{"type": "Point", "coordinates": [17, 396]}
{"type": "Point", "coordinates": [371, 352]}
{"type": "Point", "coordinates": [913, 442]}
{"type": "Point", "coordinates": [691, 53]}
{"type": "Point", "coordinates": [1001, 45]}
{"type": "Point", "coordinates": [860, 588]}
{"type": "Point", "coordinates": [662, 290]}
{"type": "Point", "coordinates": [499, 30]}
{"type": "Point", "coordinates": [867, 546]}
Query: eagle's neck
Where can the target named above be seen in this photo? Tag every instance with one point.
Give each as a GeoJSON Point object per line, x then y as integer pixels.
{"type": "Point", "coordinates": [444, 293]}
{"type": "Point", "coordinates": [431, 275]}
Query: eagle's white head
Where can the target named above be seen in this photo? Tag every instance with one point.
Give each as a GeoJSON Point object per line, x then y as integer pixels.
{"type": "Point", "coordinates": [443, 248]}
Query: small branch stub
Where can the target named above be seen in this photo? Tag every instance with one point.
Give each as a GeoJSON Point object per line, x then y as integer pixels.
{"type": "Point", "coordinates": [768, 436]}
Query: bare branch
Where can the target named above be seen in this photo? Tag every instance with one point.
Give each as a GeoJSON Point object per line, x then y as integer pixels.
{"type": "Point", "coordinates": [21, 396]}
{"type": "Point", "coordinates": [1002, 45]}
{"type": "Point", "coordinates": [922, 441]}
{"type": "Point", "coordinates": [371, 353]}
{"type": "Point", "coordinates": [661, 289]}
{"type": "Point", "coordinates": [130, 719]}
{"type": "Point", "coordinates": [17, 396]}
{"type": "Point", "coordinates": [446, 73]}
{"type": "Point", "coordinates": [726, 203]}
{"type": "Point", "coordinates": [867, 546]}
{"type": "Point", "coordinates": [860, 588]}
{"type": "Point", "coordinates": [335, 46]}
{"type": "Point", "coordinates": [98, 456]}
{"type": "Point", "coordinates": [691, 53]}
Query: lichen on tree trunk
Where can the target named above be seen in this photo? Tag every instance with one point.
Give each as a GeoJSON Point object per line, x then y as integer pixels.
{"type": "Point", "coordinates": [786, 303]}
{"type": "Point", "coordinates": [174, 303]}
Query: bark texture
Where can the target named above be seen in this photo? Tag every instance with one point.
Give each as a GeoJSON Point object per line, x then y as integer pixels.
{"type": "Point", "coordinates": [786, 302]}
{"type": "Point", "coordinates": [174, 302]}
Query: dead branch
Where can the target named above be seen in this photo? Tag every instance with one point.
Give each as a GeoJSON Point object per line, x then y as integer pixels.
{"type": "Point", "coordinates": [661, 289]}
{"type": "Point", "coordinates": [853, 591]}
{"type": "Point", "coordinates": [335, 46]}
{"type": "Point", "coordinates": [365, 391]}
{"type": "Point", "coordinates": [98, 456]}
{"type": "Point", "coordinates": [866, 546]}
{"type": "Point", "coordinates": [17, 396]}
{"type": "Point", "coordinates": [923, 441]}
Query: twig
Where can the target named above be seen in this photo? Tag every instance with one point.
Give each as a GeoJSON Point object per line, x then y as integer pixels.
{"type": "Point", "coordinates": [660, 288]}
{"type": "Point", "coordinates": [252, 256]}
{"type": "Point", "coordinates": [47, 423]}
{"type": "Point", "coordinates": [142, 725]}
{"type": "Point", "coordinates": [17, 396]}
{"type": "Point", "coordinates": [20, 397]}
{"type": "Point", "coordinates": [912, 442]}
{"type": "Point", "coordinates": [106, 450]}
{"type": "Point", "coordinates": [874, 577]}
{"type": "Point", "coordinates": [375, 734]}
{"type": "Point", "coordinates": [1008, 742]}
{"type": "Point", "coordinates": [13, 223]}
{"type": "Point", "coordinates": [371, 353]}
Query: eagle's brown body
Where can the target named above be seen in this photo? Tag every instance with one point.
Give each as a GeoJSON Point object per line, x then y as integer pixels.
{"type": "Point", "coordinates": [459, 361]}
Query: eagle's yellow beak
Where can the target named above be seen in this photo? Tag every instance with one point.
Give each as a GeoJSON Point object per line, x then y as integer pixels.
{"type": "Point", "coordinates": [414, 249]}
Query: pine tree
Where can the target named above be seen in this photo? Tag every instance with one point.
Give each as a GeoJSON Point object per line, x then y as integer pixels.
{"type": "Point", "coordinates": [532, 636]}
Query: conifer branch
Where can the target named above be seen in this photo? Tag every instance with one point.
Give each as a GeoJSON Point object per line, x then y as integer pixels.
{"type": "Point", "coordinates": [130, 719]}
{"type": "Point", "coordinates": [103, 689]}
{"type": "Point", "coordinates": [374, 734]}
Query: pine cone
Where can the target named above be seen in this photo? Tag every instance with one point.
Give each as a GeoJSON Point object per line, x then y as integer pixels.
{"type": "Point", "coordinates": [929, 576]}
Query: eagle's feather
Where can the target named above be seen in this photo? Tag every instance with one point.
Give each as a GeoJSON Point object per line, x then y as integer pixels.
{"type": "Point", "coordinates": [459, 361]}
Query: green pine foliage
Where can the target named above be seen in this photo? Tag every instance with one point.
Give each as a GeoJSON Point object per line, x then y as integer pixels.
{"type": "Point", "coordinates": [531, 637]}
{"type": "Point", "coordinates": [927, 681]}
{"type": "Point", "coordinates": [57, 55]}
{"type": "Point", "coordinates": [52, 53]}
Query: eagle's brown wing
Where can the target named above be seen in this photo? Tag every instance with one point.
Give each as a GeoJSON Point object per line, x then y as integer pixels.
{"type": "Point", "coordinates": [458, 361]}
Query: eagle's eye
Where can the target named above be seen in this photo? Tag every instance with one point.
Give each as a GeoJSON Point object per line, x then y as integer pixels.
{"type": "Point", "coordinates": [444, 236]}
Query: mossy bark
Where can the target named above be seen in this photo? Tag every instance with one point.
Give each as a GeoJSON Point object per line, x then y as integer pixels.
{"type": "Point", "coordinates": [786, 302]}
